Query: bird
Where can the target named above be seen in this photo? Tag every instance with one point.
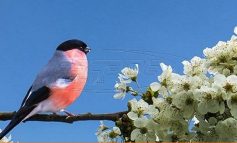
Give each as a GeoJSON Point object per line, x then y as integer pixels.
{"type": "Point", "coordinates": [57, 85]}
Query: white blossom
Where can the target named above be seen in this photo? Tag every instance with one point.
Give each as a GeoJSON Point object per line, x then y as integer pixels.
{"type": "Point", "coordinates": [104, 136]}
{"type": "Point", "coordinates": [101, 128]}
{"type": "Point", "coordinates": [116, 130]}
{"type": "Point", "coordinates": [129, 74]}
{"type": "Point", "coordinates": [138, 109]}
{"type": "Point", "coordinates": [210, 100]}
{"type": "Point", "coordinates": [144, 130]}
{"type": "Point", "coordinates": [155, 86]}
{"type": "Point", "coordinates": [195, 67]}
{"type": "Point", "coordinates": [221, 58]}
{"type": "Point", "coordinates": [228, 84]}
{"type": "Point", "coordinates": [185, 102]}
{"type": "Point", "coordinates": [164, 81]}
{"type": "Point", "coordinates": [185, 83]}
{"type": "Point", "coordinates": [121, 89]}
{"type": "Point", "coordinates": [165, 77]}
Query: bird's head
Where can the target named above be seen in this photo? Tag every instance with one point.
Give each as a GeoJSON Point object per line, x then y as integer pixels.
{"type": "Point", "coordinates": [74, 44]}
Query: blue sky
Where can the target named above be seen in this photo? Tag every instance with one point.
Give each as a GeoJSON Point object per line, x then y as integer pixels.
{"type": "Point", "coordinates": [120, 33]}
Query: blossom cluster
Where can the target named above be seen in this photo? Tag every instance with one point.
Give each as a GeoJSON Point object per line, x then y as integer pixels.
{"type": "Point", "coordinates": [198, 105]}
{"type": "Point", "coordinates": [104, 134]}
{"type": "Point", "coordinates": [127, 76]}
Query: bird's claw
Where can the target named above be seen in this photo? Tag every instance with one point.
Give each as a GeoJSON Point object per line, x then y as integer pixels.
{"type": "Point", "coordinates": [69, 114]}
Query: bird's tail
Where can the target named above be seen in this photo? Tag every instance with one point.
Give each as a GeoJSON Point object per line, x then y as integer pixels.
{"type": "Point", "coordinates": [17, 118]}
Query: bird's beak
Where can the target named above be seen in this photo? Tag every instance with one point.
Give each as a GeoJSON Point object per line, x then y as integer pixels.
{"type": "Point", "coordinates": [87, 50]}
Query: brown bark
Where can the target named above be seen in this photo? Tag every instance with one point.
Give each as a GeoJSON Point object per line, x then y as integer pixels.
{"type": "Point", "coordinates": [4, 116]}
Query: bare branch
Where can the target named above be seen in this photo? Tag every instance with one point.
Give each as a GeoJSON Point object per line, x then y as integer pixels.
{"type": "Point", "coordinates": [4, 116]}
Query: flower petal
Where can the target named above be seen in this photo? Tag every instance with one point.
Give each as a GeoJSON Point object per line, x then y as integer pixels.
{"type": "Point", "coordinates": [132, 115]}
{"type": "Point", "coordinates": [155, 86]}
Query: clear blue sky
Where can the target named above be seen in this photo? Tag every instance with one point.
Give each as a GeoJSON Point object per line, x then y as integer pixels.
{"type": "Point", "coordinates": [120, 33]}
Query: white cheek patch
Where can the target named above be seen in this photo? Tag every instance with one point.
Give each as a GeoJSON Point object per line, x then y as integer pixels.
{"type": "Point", "coordinates": [62, 83]}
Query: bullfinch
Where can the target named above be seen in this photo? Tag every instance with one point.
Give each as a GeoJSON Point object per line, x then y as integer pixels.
{"type": "Point", "coordinates": [57, 85]}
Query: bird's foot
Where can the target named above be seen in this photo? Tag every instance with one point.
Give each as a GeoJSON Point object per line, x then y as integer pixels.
{"type": "Point", "coordinates": [69, 114]}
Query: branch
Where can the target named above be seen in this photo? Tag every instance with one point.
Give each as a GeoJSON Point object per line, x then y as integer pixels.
{"type": "Point", "coordinates": [4, 116]}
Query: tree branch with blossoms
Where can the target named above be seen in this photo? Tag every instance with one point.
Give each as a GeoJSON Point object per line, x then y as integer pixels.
{"type": "Point", "coordinates": [199, 105]}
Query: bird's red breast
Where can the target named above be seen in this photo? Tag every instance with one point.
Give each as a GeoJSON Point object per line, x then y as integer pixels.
{"type": "Point", "coordinates": [64, 96]}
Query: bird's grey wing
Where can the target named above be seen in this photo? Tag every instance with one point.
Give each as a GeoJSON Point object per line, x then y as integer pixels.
{"type": "Point", "coordinates": [57, 71]}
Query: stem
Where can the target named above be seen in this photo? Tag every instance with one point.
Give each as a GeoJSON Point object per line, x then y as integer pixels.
{"type": "Point", "coordinates": [139, 88]}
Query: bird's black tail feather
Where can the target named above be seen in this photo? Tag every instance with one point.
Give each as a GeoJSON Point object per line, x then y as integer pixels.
{"type": "Point", "coordinates": [9, 127]}
{"type": "Point", "coordinates": [18, 117]}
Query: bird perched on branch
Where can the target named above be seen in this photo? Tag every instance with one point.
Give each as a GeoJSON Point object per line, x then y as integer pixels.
{"type": "Point", "coordinates": [58, 84]}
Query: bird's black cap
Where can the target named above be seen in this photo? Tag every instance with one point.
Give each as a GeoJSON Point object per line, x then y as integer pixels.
{"type": "Point", "coordinates": [73, 44]}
